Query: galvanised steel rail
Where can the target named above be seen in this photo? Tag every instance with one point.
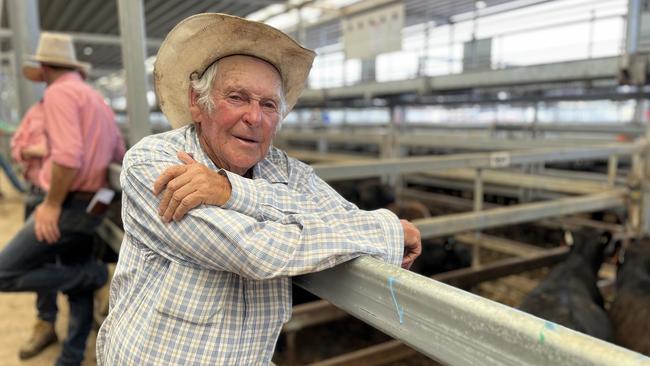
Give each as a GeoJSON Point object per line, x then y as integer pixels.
{"type": "Point", "coordinates": [634, 128]}
{"type": "Point", "coordinates": [366, 168]}
{"type": "Point", "coordinates": [499, 159]}
{"type": "Point", "coordinates": [454, 326]}
{"type": "Point", "coordinates": [515, 214]}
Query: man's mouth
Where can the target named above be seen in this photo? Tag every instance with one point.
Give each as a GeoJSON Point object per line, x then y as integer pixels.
{"type": "Point", "coordinates": [246, 139]}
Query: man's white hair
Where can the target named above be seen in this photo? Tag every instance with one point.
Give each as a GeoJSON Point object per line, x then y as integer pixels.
{"type": "Point", "coordinates": [203, 87]}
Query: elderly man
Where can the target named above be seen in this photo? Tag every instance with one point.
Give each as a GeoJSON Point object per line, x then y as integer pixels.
{"type": "Point", "coordinates": [210, 244]}
{"type": "Point", "coordinates": [53, 250]}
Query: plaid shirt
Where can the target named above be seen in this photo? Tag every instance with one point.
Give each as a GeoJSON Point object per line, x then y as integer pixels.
{"type": "Point", "coordinates": [215, 288]}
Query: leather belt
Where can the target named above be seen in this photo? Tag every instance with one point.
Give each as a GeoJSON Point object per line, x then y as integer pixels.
{"type": "Point", "coordinates": [81, 196]}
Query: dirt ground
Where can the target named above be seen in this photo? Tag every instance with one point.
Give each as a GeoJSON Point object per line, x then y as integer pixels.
{"type": "Point", "coordinates": [18, 310]}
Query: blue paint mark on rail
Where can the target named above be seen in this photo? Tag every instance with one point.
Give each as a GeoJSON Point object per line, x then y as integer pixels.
{"type": "Point", "coordinates": [400, 311]}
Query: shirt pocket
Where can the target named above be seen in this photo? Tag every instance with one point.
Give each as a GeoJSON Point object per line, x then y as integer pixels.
{"type": "Point", "coordinates": [192, 294]}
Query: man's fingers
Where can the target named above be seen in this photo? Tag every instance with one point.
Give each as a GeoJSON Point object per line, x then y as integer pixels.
{"type": "Point", "coordinates": [406, 264]}
{"type": "Point", "coordinates": [166, 176]}
{"type": "Point", "coordinates": [51, 233]}
{"type": "Point", "coordinates": [169, 211]}
{"type": "Point", "coordinates": [164, 202]}
{"type": "Point", "coordinates": [57, 233]}
{"type": "Point", "coordinates": [50, 236]}
{"type": "Point", "coordinates": [410, 257]}
{"type": "Point", "coordinates": [185, 157]}
{"type": "Point", "coordinates": [179, 182]}
{"type": "Point", "coordinates": [188, 203]}
{"type": "Point", "coordinates": [412, 244]}
{"type": "Point", "coordinates": [172, 187]}
{"type": "Point", "coordinates": [38, 230]}
{"type": "Point", "coordinates": [176, 199]}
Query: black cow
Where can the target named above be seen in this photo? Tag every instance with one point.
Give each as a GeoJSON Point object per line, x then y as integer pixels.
{"type": "Point", "coordinates": [438, 255]}
{"type": "Point", "coordinates": [630, 311]}
{"type": "Point", "coordinates": [441, 255]}
{"type": "Point", "coordinates": [569, 295]}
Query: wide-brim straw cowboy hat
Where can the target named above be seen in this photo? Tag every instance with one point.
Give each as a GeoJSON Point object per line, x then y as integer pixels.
{"type": "Point", "coordinates": [200, 40]}
{"type": "Point", "coordinates": [34, 72]}
{"type": "Point", "coordinates": [54, 49]}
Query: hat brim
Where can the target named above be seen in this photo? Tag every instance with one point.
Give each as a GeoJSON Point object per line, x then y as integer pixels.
{"type": "Point", "coordinates": [83, 67]}
{"type": "Point", "coordinates": [200, 40]}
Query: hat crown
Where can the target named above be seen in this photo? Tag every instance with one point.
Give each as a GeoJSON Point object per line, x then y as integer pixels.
{"type": "Point", "coordinates": [202, 39]}
{"type": "Point", "coordinates": [56, 48]}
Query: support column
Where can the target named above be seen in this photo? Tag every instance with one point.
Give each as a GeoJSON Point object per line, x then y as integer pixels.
{"type": "Point", "coordinates": [642, 112]}
{"type": "Point", "coordinates": [633, 26]}
{"type": "Point", "coordinates": [390, 147]}
{"type": "Point", "coordinates": [24, 21]}
{"type": "Point", "coordinates": [478, 206]}
{"type": "Point", "coordinates": [131, 13]}
{"type": "Point", "coordinates": [368, 70]}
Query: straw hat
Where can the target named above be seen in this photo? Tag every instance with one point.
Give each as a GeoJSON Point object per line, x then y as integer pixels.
{"type": "Point", "coordinates": [54, 49]}
{"type": "Point", "coordinates": [198, 41]}
{"type": "Point", "coordinates": [34, 72]}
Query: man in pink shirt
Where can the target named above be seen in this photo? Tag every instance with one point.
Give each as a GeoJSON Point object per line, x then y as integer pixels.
{"type": "Point", "coordinates": [53, 250]}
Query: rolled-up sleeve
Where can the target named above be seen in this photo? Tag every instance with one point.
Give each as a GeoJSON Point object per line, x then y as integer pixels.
{"type": "Point", "coordinates": [29, 132]}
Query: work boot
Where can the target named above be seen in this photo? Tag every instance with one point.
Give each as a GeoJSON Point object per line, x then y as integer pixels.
{"type": "Point", "coordinates": [42, 337]}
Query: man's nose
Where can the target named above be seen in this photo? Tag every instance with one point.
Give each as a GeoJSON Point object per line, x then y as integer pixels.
{"type": "Point", "coordinates": [253, 115]}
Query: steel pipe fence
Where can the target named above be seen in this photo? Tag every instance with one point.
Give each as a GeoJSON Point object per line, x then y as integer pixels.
{"type": "Point", "coordinates": [449, 324]}
{"type": "Point", "coordinates": [499, 159]}
{"type": "Point", "coordinates": [454, 326]}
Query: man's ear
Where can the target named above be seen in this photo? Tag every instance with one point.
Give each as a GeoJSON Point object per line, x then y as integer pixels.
{"type": "Point", "coordinates": [195, 110]}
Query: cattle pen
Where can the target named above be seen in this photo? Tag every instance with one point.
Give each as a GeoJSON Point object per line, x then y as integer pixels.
{"type": "Point", "coordinates": [443, 322]}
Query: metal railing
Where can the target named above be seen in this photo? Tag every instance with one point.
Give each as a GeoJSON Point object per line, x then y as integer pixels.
{"type": "Point", "coordinates": [454, 326]}
{"type": "Point", "coordinates": [446, 323]}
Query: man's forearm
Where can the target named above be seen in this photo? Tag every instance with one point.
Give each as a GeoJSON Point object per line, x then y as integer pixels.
{"type": "Point", "coordinates": [60, 183]}
{"type": "Point", "coordinates": [33, 152]}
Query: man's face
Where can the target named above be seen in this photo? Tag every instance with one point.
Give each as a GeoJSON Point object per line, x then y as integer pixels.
{"type": "Point", "coordinates": [238, 132]}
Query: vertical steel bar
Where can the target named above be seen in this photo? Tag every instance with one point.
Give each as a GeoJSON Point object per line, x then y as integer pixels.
{"type": "Point", "coordinates": [24, 21]}
{"type": "Point", "coordinates": [633, 26]}
{"type": "Point", "coordinates": [478, 206]}
{"type": "Point", "coordinates": [131, 13]}
{"type": "Point", "coordinates": [612, 167]}
{"type": "Point", "coordinates": [478, 190]}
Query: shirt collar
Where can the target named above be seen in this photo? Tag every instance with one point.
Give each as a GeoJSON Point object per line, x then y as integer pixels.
{"type": "Point", "coordinates": [68, 76]}
{"type": "Point", "coordinates": [272, 168]}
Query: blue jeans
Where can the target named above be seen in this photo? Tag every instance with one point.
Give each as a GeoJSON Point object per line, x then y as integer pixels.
{"type": "Point", "coordinates": [9, 171]}
{"type": "Point", "coordinates": [45, 300]}
{"type": "Point", "coordinates": [67, 266]}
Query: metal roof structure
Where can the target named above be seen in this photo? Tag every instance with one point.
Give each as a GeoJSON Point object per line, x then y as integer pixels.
{"type": "Point", "coordinates": [94, 24]}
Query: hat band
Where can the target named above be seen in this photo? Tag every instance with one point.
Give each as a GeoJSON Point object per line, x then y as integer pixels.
{"type": "Point", "coordinates": [57, 61]}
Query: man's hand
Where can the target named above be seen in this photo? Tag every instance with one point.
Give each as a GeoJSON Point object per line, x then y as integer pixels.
{"type": "Point", "coordinates": [412, 244]}
{"type": "Point", "coordinates": [34, 151]}
{"type": "Point", "coordinates": [189, 185]}
{"type": "Point", "coordinates": [46, 222]}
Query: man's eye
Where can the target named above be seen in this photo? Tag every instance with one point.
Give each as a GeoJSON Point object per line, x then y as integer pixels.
{"type": "Point", "coordinates": [235, 97]}
{"type": "Point", "coordinates": [270, 106]}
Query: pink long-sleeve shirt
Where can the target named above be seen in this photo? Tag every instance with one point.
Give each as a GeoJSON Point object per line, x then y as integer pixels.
{"type": "Point", "coordinates": [81, 132]}
{"type": "Point", "coordinates": [30, 132]}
